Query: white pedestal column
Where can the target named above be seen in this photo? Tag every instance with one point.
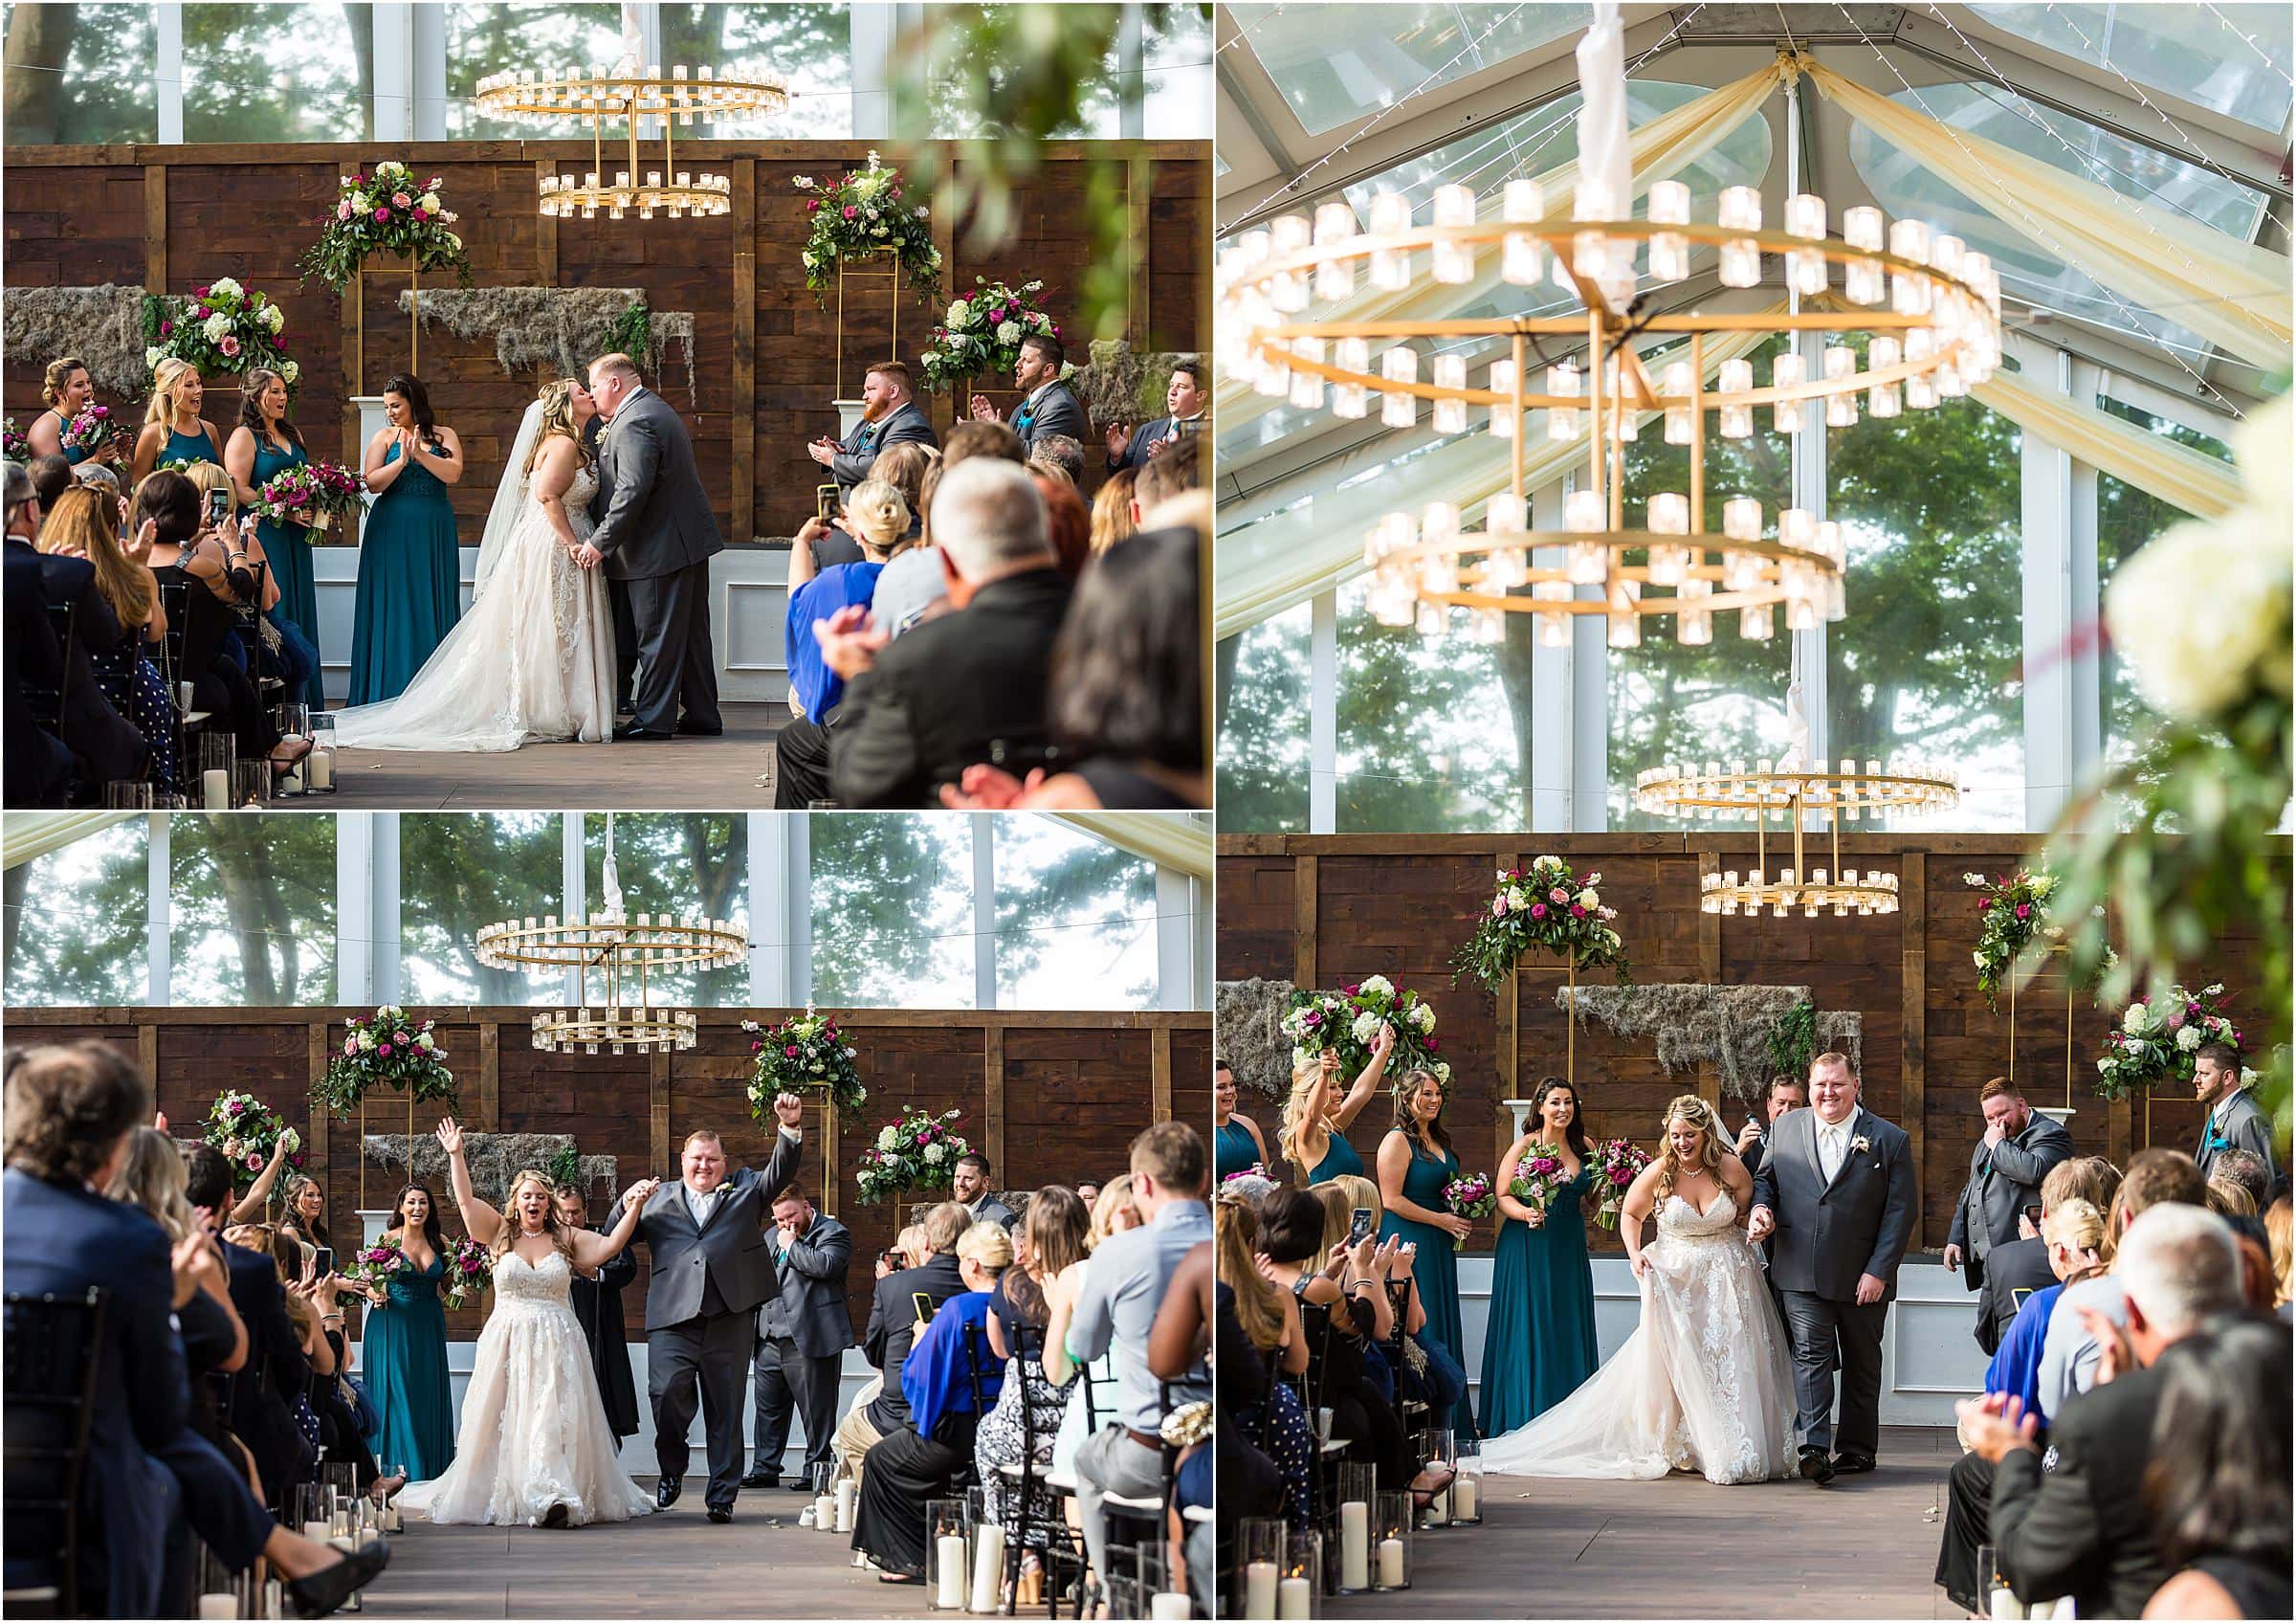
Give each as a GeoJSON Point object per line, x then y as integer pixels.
{"type": "Point", "coordinates": [849, 416]}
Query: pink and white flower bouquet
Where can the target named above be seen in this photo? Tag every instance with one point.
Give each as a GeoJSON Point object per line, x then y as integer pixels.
{"type": "Point", "coordinates": [247, 1130]}
{"type": "Point", "coordinates": [469, 1269]}
{"type": "Point", "coordinates": [385, 211]}
{"type": "Point", "coordinates": [1618, 1162]}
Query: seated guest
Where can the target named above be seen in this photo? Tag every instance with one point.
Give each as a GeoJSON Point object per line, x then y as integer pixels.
{"type": "Point", "coordinates": [151, 1177]}
{"type": "Point", "coordinates": [982, 438]}
{"type": "Point", "coordinates": [2247, 1171]}
{"type": "Point", "coordinates": [1122, 1286]}
{"type": "Point", "coordinates": [2074, 1232]}
{"type": "Point", "coordinates": [39, 766]}
{"type": "Point", "coordinates": [1068, 521]}
{"type": "Point", "coordinates": [276, 647]}
{"type": "Point", "coordinates": [2218, 1487]}
{"type": "Point", "coordinates": [890, 416]}
{"type": "Point", "coordinates": [51, 478]}
{"type": "Point", "coordinates": [1126, 692]}
{"type": "Point", "coordinates": [1259, 1415]}
{"type": "Point", "coordinates": [1181, 1340]}
{"type": "Point", "coordinates": [2279, 1236]}
{"type": "Point", "coordinates": [1061, 452]}
{"type": "Point", "coordinates": [2076, 1523]}
{"type": "Point", "coordinates": [1157, 494]}
{"type": "Point", "coordinates": [1050, 1240]}
{"type": "Point", "coordinates": [598, 1307]}
{"type": "Point", "coordinates": [893, 1328]}
{"type": "Point", "coordinates": [1113, 1211]}
{"type": "Point", "coordinates": [2232, 1202]}
{"type": "Point", "coordinates": [933, 1454]}
{"type": "Point", "coordinates": [2018, 1147]}
{"type": "Point", "coordinates": [1088, 1190]}
{"type": "Point", "coordinates": [1131, 449]}
{"type": "Point", "coordinates": [81, 525]}
{"type": "Point", "coordinates": [969, 686]}
{"type": "Point", "coordinates": [104, 742]}
{"type": "Point", "coordinates": [262, 1396]}
{"type": "Point", "coordinates": [173, 430]}
{"type": "Point", "coordinates": [1112, 512]}
{"type": "Point", "coordinates": [150, 1485]}
{"type": "Point", "coordinates": [876, 514]}
{"type": "Point", "coordinates": [2015, 1270]}
{"type": "Point", "coordinates": [2069, 1349]}
{"type": "Point", "coordinates": [1048, 405]}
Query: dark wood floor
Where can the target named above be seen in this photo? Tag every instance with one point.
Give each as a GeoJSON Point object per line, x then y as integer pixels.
{"type": "Point", "coordinates": [1681, 1548]}
{"type": "Point", "coordinates": [667, 1567]}
{"type": "Point", "coordinates": [685, 775]}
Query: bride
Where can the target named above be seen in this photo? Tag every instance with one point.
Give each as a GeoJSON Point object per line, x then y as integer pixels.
{"type": "Point", "coordinates": [534, 1449]}
{"type": "Point", "coordinates": [1704, 1384]}
{"type": "Point", "coordinates": [534, 659]}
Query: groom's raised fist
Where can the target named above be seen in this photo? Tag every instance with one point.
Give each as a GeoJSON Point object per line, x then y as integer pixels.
{"type": "Point", "coordinates": [789, 1110]}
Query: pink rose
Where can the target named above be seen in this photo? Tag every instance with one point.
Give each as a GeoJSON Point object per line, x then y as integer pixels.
{"type": "Point", "coordinates": [1986, 906]}
{"type": "Point", "coordinates": [1352, 991]}
{"type": "Point", "coordinates": [400, 200]}
{"type": "Point", "coordinates": [1498, 907]}
{"type": "Point", "coordinates": [342, 209]}
{"type": "Point", "coordinates": [1577, 911]}
{"type": "Point", "coordinates": [1538, 910]}
{"type": "Point", "coordinates": [199, 292]}
{"type": "Point", "coordinates": [852, 213]}
{"type": "Point", "coordinates": [2175, 1022]}
{"type": "Point", "coordinates": [350, 1048]}
{"type": "Point", "coordinates": [403, 1038]}
{"type": "Point", "coordinates": [167, 327]}
{"type": "Point", "coordinates": [756, 1048]}
{"type": "Point", "coordinates": [1558, 896]}
{"type": "Point", "coordinates": [200, 312]}
{"type": "Point", "coordinates": [1434, 1046]}
{"type": "Point", "coordinates": [230, 345]}
{"type": "Point", "coordinates": [2025, 910]}
{"type": "Point", "coordinates": [255, 1162]}
{"type": "Point", "coordinates": [790, 1052]}
{"type": "Point", "coordinates": [381, 214]}
{"type": "Point", "coordinates": [385, 1051]}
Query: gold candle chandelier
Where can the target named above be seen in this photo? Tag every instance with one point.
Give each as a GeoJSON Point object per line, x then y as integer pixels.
{"type": "Point", "coordinates": [598, 96]}
{"type": "Point", "coordinates": [1932, 306]}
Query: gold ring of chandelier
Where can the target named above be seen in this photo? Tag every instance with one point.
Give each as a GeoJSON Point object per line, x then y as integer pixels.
{"type": "Point", "coordinates": [618, 951]}
{"type": "Point", "coordinates": [597, 94]}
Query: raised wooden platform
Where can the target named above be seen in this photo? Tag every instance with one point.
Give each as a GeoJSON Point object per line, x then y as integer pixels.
{"type": "Point", "coordinates": [1681, 1548]}
{"type": "Point", "coordinates": [685, 775]}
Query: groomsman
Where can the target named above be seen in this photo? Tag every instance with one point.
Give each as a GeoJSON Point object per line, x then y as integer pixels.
{"type": "Point", "coordinates": [597, 1302]}
{"type": "Point", "coordinates": [2235, 1120]}
{"type": "Point", "coordinates": [1183, 405]}
{"type": "Point", "coordinates": [970, 1185]}
{"type": "Point", "coordinates": [803, 1332]}
{"type": "Point", "coordinates": [2005, 1171]}
{"type": "Point", "coordinates": [890, 415]}
{"type": "Point", "coordinates": [1048, 405]}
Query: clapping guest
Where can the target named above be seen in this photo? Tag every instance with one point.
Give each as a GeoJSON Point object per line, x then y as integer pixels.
{"type": "Point", "coordinates": [263, 1393]}
{"type": "Point", "coordinates": [264, 444]}
{"type": "Point", "coordinates": [2017, 1270]}
{"type": "Point", "coordinates": [2218, 1486]}
{"type": "Point", "coordinates": [2073, 1232]}
{"type": "Point", "coordinates": [36, 767]}
{"type": "Point", "coordinates": [104, 743]}
{"type": "Point", "coordinates": [173, 430]}
{"type": "Point", "coordinates": [2070, 1347]}
{"type": "Point", "coordinates": [1265, 1412]}
{"type": "Point", "coordinates": [890, 416]}
{"type": "Point", "coordinates": [1048, 405]}
{"type": "Point", "coordinates": [803, 1331]}
{"type": "Point", "coordinates": [1416, 1164]}
{"type": "Point", "coordinates": [84, 525]}
{"type": "Point", "coordinates": [597, 1301]}
{"type": "Point", "coordinates": [1131, 449]}
{"type": "Point", "coordinates": [875, 513]}
{"type": "Point", "coordinates": [68, 391]}
{"type": "Point", "coordinates": [151, 1176]}
{"type": "Point", "coordinates": [270, 647]}
{"type": "Point", "coordinates": [1050, 1239]}
{"type": "Point", "coordinates": [1316, 1118]}
{"type": "Point", "coordinates": [410, 563]}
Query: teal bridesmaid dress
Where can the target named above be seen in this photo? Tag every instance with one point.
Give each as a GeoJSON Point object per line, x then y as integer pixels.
{"type": "Point", "coordinates": [1232, 1150]}
{"type": "Point", "coordinates": [1539, 1346]}
{"type": "Point", "coordinates": [288, 547]}
{"type": "Point", "coordinates": [73, 453]}
{"type": "Point", "coordinates": [404, 1363]}
{"type": "Point", "coordinates": [1340, 1160]}
{"type": "Point", "coordinates": [1435, 1272]}
{"type": "Point", "coordinates": [187, 448]}
{"type": "Point", "coordinates": [409, 584]}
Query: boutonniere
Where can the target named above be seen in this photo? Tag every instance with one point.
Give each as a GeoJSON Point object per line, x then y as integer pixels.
{"type": "Point", "coordinates": [1861, 1146]}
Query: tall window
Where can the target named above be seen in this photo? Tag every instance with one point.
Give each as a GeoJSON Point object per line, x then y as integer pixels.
{"type": "Point", "coordinates": [1262, 718]}
{"type": "Point", "coordinates": [808, 46]}
{"type": "Point", "coordinates": [457, 873]}
{"type": "Point", "coordinates": [80, 74]}
{"type": "Point", "coordinates": [483, 39]}
{"type": "Point", "coordinates": [1427, 737]}
{"type": "Point", "coordinates": [254, 910]}
{"type": "Point", "coordinates": [75, 922]}
{"type": "Point", "coordinates": [679, 862]}
{"type": "Point", "coordinates": [893, 911]}
{"type": "Point", "coordinates": [1075, 919]}
{"type": "Point", "coordinates": [303, 72]}
{"type": "Point", "coordinates": [1177, 56]}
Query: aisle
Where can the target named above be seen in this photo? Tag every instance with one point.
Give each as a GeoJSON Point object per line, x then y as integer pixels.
{"type": "Point", "coordinates": [685, 775]}
{"type": "Point", "coordinates": [1681, 1548]}
{"type": "Point", "coordinates": [668, 1566]}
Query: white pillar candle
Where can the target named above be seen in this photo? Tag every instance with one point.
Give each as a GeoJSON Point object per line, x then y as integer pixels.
{"type": "Point", "coordinates": [2006, 1604]}
{"type": "Point", "coordinates": [320, 769]}
{"type": "Point", "coordinates": [1466, 1493]}
{"type": "Point", "coordinates": [315, 1532]}
{"type": "Point", "coordinates": [394, 1520]}
{"type": "Point", "coordinates": [216, 789]}
{"type": "Point", "coordinates": [989, 1567]}
{"type": "Point", "coordinates": [1391, 1564]}
{"type": "Point", "coordinates": [1354, 1546]}
{"type": "Point", "coordinates": [1169, 1606]}
{"type": "Point", "coordinates": [949, 1592]}
{"type": "Point", "coordinates": [219, 1606]}
{"type": "Point", "coordinates": [824, 1514]}
{"type": "Point", "coordinates": [1293, 1597]}
{"type": "Point", "coordinates": [1439, 1509]}
{"type": "Point", "coordinates": [1259, 1590]}
{"type": "Point", "coordinates": [848, 1493]}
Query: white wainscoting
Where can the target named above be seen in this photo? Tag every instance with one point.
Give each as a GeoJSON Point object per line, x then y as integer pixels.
{"type": "Point", "coordinates": [1929, 1357]}
{"type": "Point", "coordinates": [749, 601]}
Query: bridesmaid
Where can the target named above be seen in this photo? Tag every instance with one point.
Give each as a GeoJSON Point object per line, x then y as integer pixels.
{"type": "Point", "coordinates": [1236, 1143]}
{"type": "Point", "coordinates": [410, 566]}
{"type": "Point", "coordinates": [1312, 1133]}
{"type": "Point", "coordinates": [69, 391]}
{"type": "Point", "coordinates": [404, 1356]}
{"type": "Point", "coordinates": [1539, 1344]}
{"type": "Point", "coordinates": [173, 430]}
{"type": "Point", "coordinates": [263, 445]}
{"type": "Point", "coordinates": [1415, 1162]}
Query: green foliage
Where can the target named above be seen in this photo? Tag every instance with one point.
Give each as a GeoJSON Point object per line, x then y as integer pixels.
{"type": "Point", "coordinates": [1792, 1041]}
{"type": "Point", "coordinates": [565, 1166]}
{"type": "Point", "coordinates": [632, 333]}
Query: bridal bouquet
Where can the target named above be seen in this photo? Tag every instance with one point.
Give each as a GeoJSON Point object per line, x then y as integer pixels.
{"type": "Point", "coordinates": [390, 1050]}
{"type": "Point", "coordinates": [917, 1153]}
{"type": "Point", "coordinates": [1347, 1023]}
{"type": "Point", "coordinates": [1471, 1197]}
{"type": "Point", "coordinates": [221, 328]}
{"type": "Point", "coordinates": [247, 1130]}
{"type": "Point", "coordinates": [802, 1054]}
{"type": "Point", "coordinates": [469, 1269]}
{"type": "Point", "coordinates": [371, 1266]}
{"type": "Point", "coordinates": [385, 211]}
{"type": "Point", "coordinates": [1539, 1178]}
{"type": "Point", "coordinates": [1545, 907]}
{"type": "Point", "coordinates": [982, 334]}
{"type": "Point", "coordinates": [2012, 909]}
{"type": "Point", "coordinates": [2156, 1042]}
{"type": "Point", "coordinates": [1618, 1162]}
{"type": "Point", "coordinates": [324, 491]}
{"type": "Point", "coordinates": [861, 213]}
{"type": "Point", "coordinates": [91, 429]}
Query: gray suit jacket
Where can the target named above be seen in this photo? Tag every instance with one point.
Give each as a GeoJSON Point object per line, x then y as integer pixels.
{"type": "Point", "coordinates": [1057, 411]}
{"type": "Point", "coordinates": [991, 1210]}
{"type": "Point", "coordinates": [658, 517]}
{"type": "Point", "coordinates": [1985, 1216]}
{"type": "Point", "coordinates": [594, 432]}
{"type": "Point", "coordinates": [858, 452]}
{"type": "Point", "coordinates": [730, 1251]}
{"type": "Point", "coordinates": [1829, 1234]}
{"type": "Point", "coordinates": [808, 1306]}
{"type": "Point", "coordinates": [2245, 1126]}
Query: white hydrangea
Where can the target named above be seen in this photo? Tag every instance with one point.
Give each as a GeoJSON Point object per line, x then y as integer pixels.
{"type": "Point", "coordinates": [291, 370]}
{"type": "Point", "coordinates": [1516, 900]}
{"type": "Point", "coordinates": [960, 313]}
{"type": "Point", "coordinates": [224, 287]}
{"type": "Point", "coordinates": [217, 328]}
{"type": "Point", "coordinates": [430, 201]}
{"type": "Point", "coordinates": [935, 1155]}
{"type": "Point", "coordinates": [1008, 332]}
{"type": "Point", "coordinates": [1979, 959]}
{"type": "Point", "coordinates": [1425, 1015]}
{"type": "Point", "coordinates": [1366, 1026]}
{"type": "Point", "coordinates": [153, 355]}
{"type": "Point", "coordinates": [361, 201]}
{"type": "Point", "coordinates": [931, 359]}
{"type": "Point", "coordinates": [889, 1137]}
{"type": "Point", "coordinates": [1589, 899]}
{"type": "Point", "coordinates": [2188, 1039]}
{"type": "Point", "coordinates": [273, 317]}
{"type": "Point", "coordinates": [2133, 1021]}
{"type": "Point", "coordinates": [1378, 986]}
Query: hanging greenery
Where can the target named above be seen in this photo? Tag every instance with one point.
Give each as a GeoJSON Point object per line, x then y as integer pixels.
{"type": "Point", "coordinates": [557, 329]}
{"type": "Point", "coordinates": [493, 1160]}
{"type": "Point", "coordinates": [1794, 1040]}
{"type": "Point", "coordinates": [1732, 1028]}
{"type": "Point", "coordinates": [1121, 385]}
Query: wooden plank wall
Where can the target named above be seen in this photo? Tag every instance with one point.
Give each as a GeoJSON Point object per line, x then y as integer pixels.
{"type": "Point", "coordinates": [173, 218]}
{"type": "Point", "coordinates": [1338, 908]}
{"type": "Point", "coordinates": [1075, 1088]}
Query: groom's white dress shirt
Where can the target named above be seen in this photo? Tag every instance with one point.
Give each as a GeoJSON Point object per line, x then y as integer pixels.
{"type": "Point", "coordinates": [1833, 1143]}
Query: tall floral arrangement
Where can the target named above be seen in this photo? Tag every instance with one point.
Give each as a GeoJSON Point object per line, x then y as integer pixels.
{"type": "Point", "coordinates": [247, 1130]}
{"type": "Point", "coordinates": [981, 333]}
{"type": "Point", "coordinates": [805, 1054]}
{"type": "Point", "coordinates": [1347, 1022]}
{"type": "Point", "coordinates": [860, 214]}
{"type": "Point", "coordinates": [1547, 906]}
{"type": "Point", "coordinates": [221, 328]}
{"type": "Point", "coordinates": [2014, 914]}
{"type": "Point", "coordinates": [2156, 1039]}
{"type": "Point", "coordinates": [385, 211]}
{"type": "Point", "coordinates": [919, 1152]}
{"type": "Point", "coordinates": [390, 1050]}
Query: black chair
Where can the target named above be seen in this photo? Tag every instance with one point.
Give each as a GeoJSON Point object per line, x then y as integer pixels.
{"type": "Point", "coordinates": [51, 1358]}
{"type": "Point", "coordinates": [1061, 1546]}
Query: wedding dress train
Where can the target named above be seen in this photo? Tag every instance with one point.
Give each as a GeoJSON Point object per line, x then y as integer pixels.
{"type": "Point", "coordinates": [533, 659]}
{"type": "Point", "coordinates": [534, 1432]}
{"type": "Point", "coordinates": [1704, 1384]}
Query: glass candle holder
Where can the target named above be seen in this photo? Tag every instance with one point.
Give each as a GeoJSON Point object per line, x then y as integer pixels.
{"type": "Point", "coordinates": [1260, 1566]}
{"type": "Point", "coordinates": [1391, 1542]}
{"type": "Point", "coordinates": [1357, 1490]}
{"type": "Point", "coordinates": [948, 1551]}
{"type": "Point", "coordinates": [1467, 1488]}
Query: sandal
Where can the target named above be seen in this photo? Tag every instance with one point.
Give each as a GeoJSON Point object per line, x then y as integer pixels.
{"type": "Point", "coordinates": [1444, 1475]}
{"type": "Point", "coordinates": [281, 765]}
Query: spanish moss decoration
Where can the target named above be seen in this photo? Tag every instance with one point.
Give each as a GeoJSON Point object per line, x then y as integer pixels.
{"type": "Point", "coordinates": [102, 325]}
{"type": "Point", "coordinates": [559, 329]}
{"type": "Point", "coordinates": [1729, 1027]}
{"type": "Point", "coordinates": [1121, 387]}
{"type": "Point", "coordinates": [494, 1159]}
{"type": "Point", "coordinates": [1248, 1032]}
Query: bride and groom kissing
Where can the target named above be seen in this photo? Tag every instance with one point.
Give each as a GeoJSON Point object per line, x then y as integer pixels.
{"type": "Point", "coordinates": [1724, 1375]}
{"type": "Point", "coordinates": [601, 484]}
{"type": "Point", "coordinates": [534, 1449]}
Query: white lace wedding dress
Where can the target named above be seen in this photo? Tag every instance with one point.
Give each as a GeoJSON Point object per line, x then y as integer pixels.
{"type": "Point", "coordinates": [1704, 1384]}
{"type": "Point", "coordinates": [534, 1431]}
{"type": "Point", "coordinates": [533, 659]}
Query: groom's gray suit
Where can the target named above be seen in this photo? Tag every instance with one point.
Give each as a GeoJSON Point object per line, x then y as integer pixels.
{"type": "Point", "coordinates": [708, 1274]}
{"type": "Point", "coordinates": [1828, 1233]}
{"type": "Point", "coordinates": [658, 534]}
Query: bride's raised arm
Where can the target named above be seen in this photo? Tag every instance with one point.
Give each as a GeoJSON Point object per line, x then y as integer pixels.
{"type": "Point", "coordinates": [595, 1251]}
{"type": "Point", "coordinates": [552, 477]}
{"type": "Point", "coordinates": [480, 1220]}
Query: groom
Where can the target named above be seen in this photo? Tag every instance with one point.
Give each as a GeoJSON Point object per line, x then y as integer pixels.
{"type": "Point", "coordinates": [711, 1268]}
{"type": "Point", "coordinates": [1837, 1189]}
{"type": "Point", "coordinates": [657, 533]}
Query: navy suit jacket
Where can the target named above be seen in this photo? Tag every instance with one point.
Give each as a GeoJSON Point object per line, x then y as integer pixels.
{"type": "Point", "coordinates": [61, 1240]}
{"type": "Point", "coordinates": [39, 764]}
{"type": "Point", "coordinates": [1134, 455]}
{"type": "Point", "coordinates": [264, 1389]}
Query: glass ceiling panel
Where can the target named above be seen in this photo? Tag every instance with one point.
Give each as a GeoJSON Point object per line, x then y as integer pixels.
{"type": "Point", "coordinates": [1335, 64]}
{"type": "Point", "coordinates": [1900, 186]}
{"type": "Point", "coordinates": [2235, 59]}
